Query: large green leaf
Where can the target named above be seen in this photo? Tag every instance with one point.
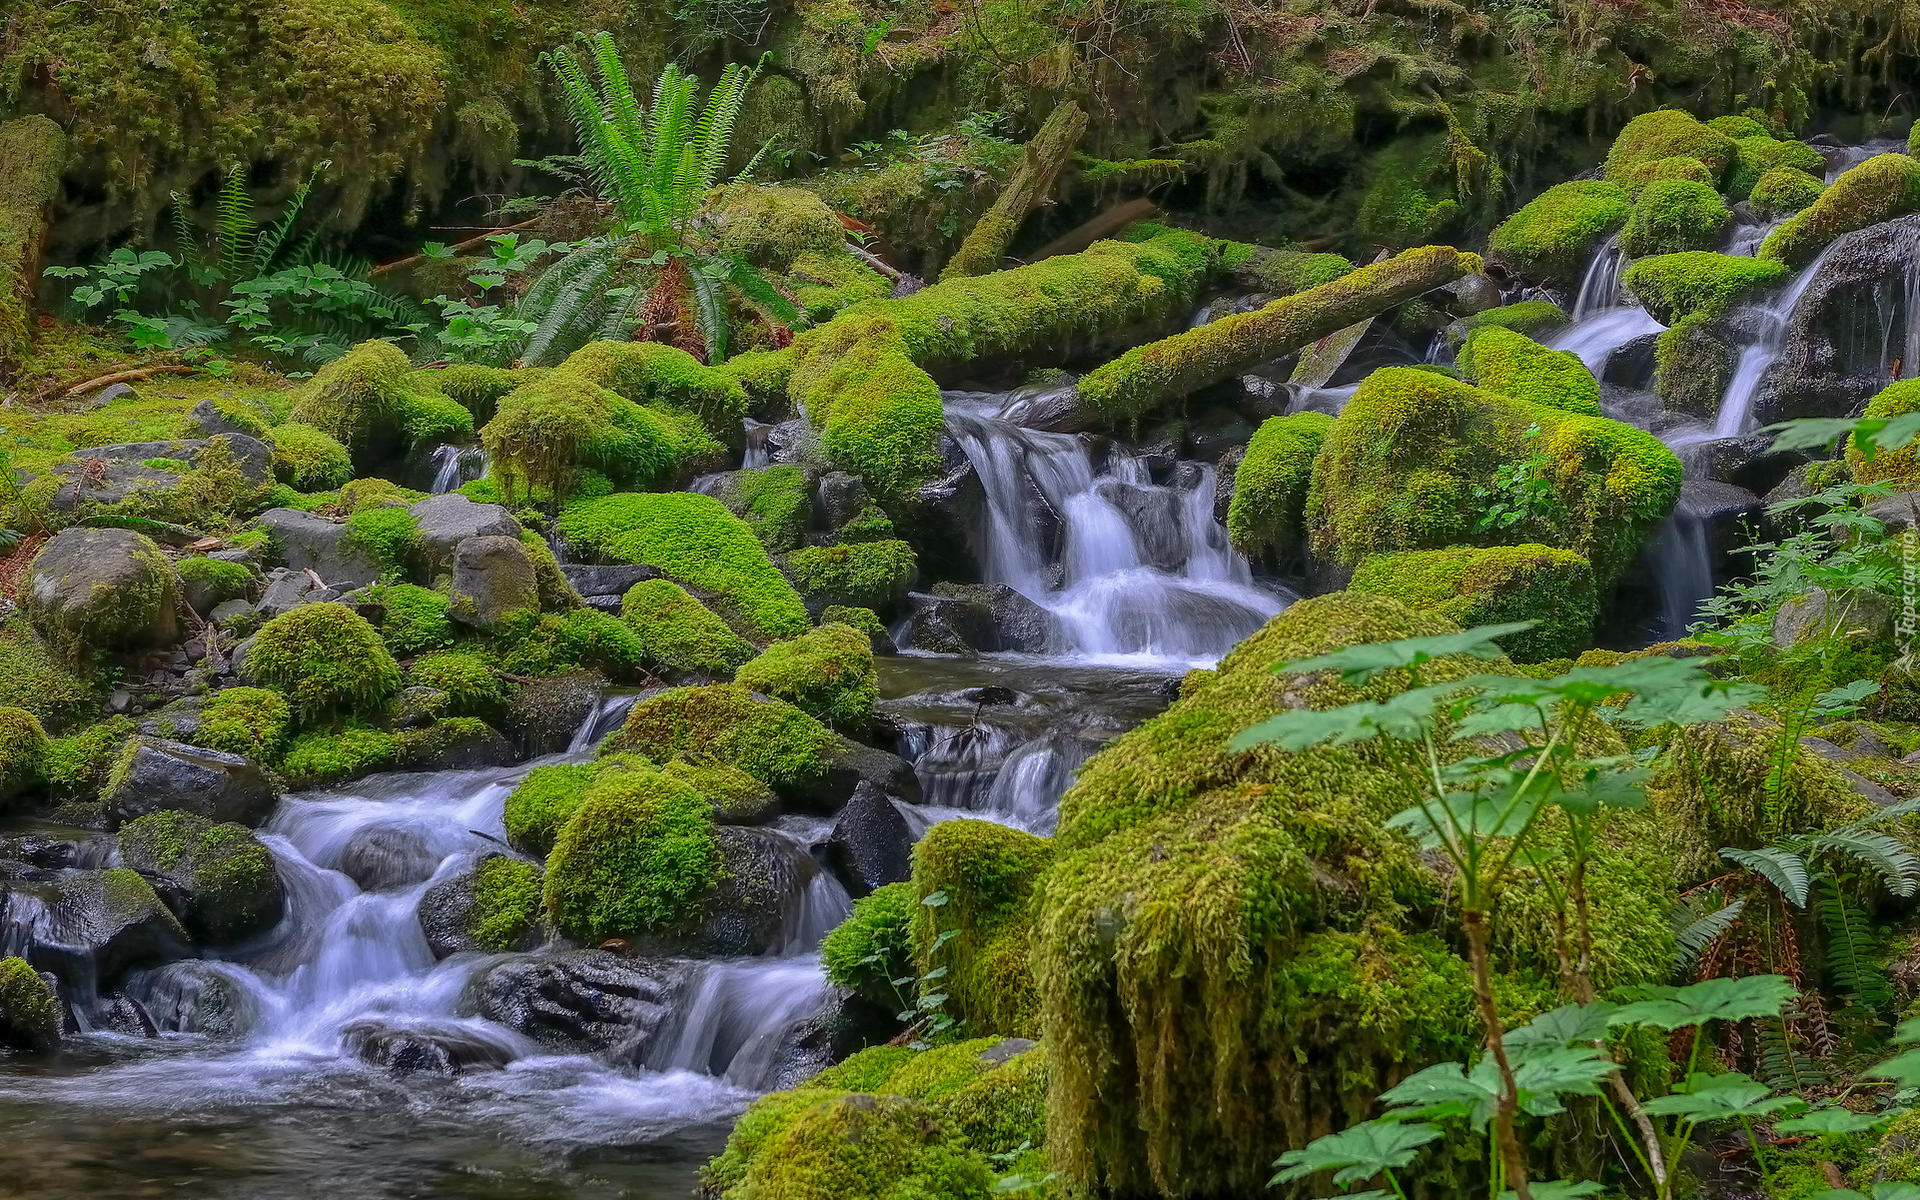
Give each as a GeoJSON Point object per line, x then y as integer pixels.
{"type": "Point", "coordinates": [1357, 664]}
{"type": "Point", "coordinates": [1723, 1097]}
{"type": "Point", "coordinates": [1831, 1118]}
{"type": "Point", "coordinates": [1402, 716]}
{"type": "Point", "coordinates": [1743, 999]}
{"type": "Point", "coordinates": [1356, 1154]}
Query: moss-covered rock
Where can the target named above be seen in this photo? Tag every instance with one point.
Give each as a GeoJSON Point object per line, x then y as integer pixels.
{"type": "Point", "coordinates": [539, 807]}
{"type": "Point", "coordinates": [326, 659]}
{"type": "Point", "coordinates": [335, 756]}
{"type": "Point", "coordinates": [1399, 469]}
{"type": "Point", "coordinates": [874, 946]}
{"type": "Point", "coordinates": [89, 590]}
{"type": "Point", "coordinates": [23, 753]}
{"type": "Point", "coordinates": [679, 634]}
{"type": "Point", "coordinates": [1531, 317]}
{"type": "Point", "coordinates": [1513, 364]}
{"type": "Point", "coordinates": [470, 684]}
{"type": "Point", "coordinates": [1692, 170]}
{"type": "Point", "coordinates": [1757, 154]}
{"type": "Point", "coordinates": [205, 582]}
{"type": "Point", "coordinates": [987, 873]}
{"type": "Point", "coordinates": [1672, 215]}
{"type": "Point", "coordinates": [857, 1147]}
{"type": "Point", "coordinates": [1668, 133]}
{"type": "Point", "coordinates": [551, 643]}
{"type": "Point", "coordinates": [1549, 237]}
{"type": "Point", "coordinates": [1900, 468]}
{"type": "Point", "coordinates": [492, 909]}
{"type": "Point", "coordinates": [248, 721]}
{"type": "Point", "coordinates": [770, 740]}
{"type": "Point", "coordinates": [1492, 586]}
{"type": "Point", "coordinates": [1882, 188]}
{"type": "Point", "coordinates": [1265, 516]}
{"type": "Point", "coordinates": [308, 459]}
{"type": "Point", "coordinates": [1698, 282]}
{"type": "Point", "coordinates": [827, 673]}
{"type": "Point", "coordinates": [770, 226]}
{"type": "Point", "coordinates": [79, 764]}
{"type": "Point", "coordinates": [1783, 191]}
{"type": "Point", "coordinates": [737, 797]}
{"type": "Point", "coordinates": [33, 156]}
{"type": "Point", "coordinates": [368, 402]}
{"type": "Point", "coordinates": [695, 540]}
{"type": "Point", "coordinates": [873, 575]}
{"type": "Point", "coordinates": [217, 878]}
{"type": "Point", "coordinates": [32, 677]}
{"type": "Point", "coordinates": [1231, 950]}
{"type": "Point", "coordinates": [415, 619]}
{"type": "Point", "coordinates": [638, 856]}
{"type": "Point", "coordinates": [865, 620]}
{"type": "Point", "coordinates": [1693, 363]}
{"type": "Point", "coordinates": [30, 1013]}
{"type": "Point", "coordinates": [773, 501]}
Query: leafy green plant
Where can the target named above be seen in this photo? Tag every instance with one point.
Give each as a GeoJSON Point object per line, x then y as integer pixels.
{"type": "Point", "coordinates": [1521, 494]}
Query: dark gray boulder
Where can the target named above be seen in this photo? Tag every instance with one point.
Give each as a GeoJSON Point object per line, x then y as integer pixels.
{"type": "Point", "coordinates": [424, 1050]}
{"type": "Point", "coordinates": [493, 579]}
{"type": "Point", "coordinates": [387, 858]}
{"type": "Point", "coordinates": [870, 845]}
{"type": "Point", "coordinates": [583, 1001]}
{"type": "Point", "coordinates": [449, 519]}
{"type": "Point", "coordinates": [210, 783]}
{"type": "Point", "coordinates": [219, 879]}
{"type": "Point", "coordinates": [305, 541]}
{"type": "Point", "coordinates": [99, 589]}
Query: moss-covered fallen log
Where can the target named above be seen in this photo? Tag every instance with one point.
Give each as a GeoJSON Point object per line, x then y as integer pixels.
{"type": "Point", "coordinates": [33, 152]}
{"type": "Point", "coordinates": [1150, 376]}
{"type": "Point", "coordinates": [1032, 182]}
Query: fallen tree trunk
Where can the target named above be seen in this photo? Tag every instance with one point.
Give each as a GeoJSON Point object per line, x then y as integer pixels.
{"type": "Point", "coordinates": [1155, 374]}
{"type": "Point", "coordinates": [33, 157]}
{"type": "Point", "coordinates": [1047, 156]}
{"type": "Point", "coordinates": [1105, 225]}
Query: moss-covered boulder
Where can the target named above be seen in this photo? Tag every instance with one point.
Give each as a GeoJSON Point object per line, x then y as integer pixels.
{"type": "Point", "coordinates": [1411, 463]}
{"type": "Point", "coordinates": [856, 1147]}
{"type": "Point", "coordinates": [1784, 191]}
{"type": "Point", "coordinates": [1882, 188]}
{"type": "Point", "coordinates": [873, 575]}
{"type": "Point", "coordinates": [1513, 364]}
{"type": "Point", "coordinates": [493, 582]}
{"type": "Point", "coordinates": [29, 1010]}
{"type": "Point", "coordinates": [1757, 154]}
{"type": "Point", "coordinates": [492, 909]}
{"type": "Point", "coordinates": [639, 856]}
{"type": "Point", "coordinates": [205, 582]}
{"type": "Point", "coordinates": [770, 226]}
{"type": "Point", "coordinates": [308, 459]}
{"type": "Point", "coordinates": [153, 774]}
{"type": "Point", "coordinates": [1693, 361]}
{"type": "Point", "coordinates": [695, 540]}
{"type": "Point", "coordinates": [1231, 950]}
{"type": "Point", "coordinates": [23, 753]}
{"type": "Point", "coordinates": [1668, 133]}
{"type": "Point", "coordinates": [1531, 317]}
{"type": "Point", "coordinates": [249, 721]}
{"type": "Point", "coordinates": [1549, 237]}
{"type": "Point", "coordinates": [1698, 282]}
{"type": "Point", "coordinates": [540, 805]}
{"type": "Point", "coordinates": [34, 678]}
{"type": "Point", "coordinates": [1672, 215]}
{"type": "Point", "coordinates": [367, 401]}
{"type": "Point", "coordinates": [768, 739]}
{"type": "Point", "coordinates": [874, 946]}
{"type": "Point", "coordinates": [217, 878]}
{"type": "Point", "coordinates": [1265, 516]}
{"type": "Point", "coordinates": [679, 634]}
{"type": "Point", "coordinates": [550, 643]}
{"type": "Point", "coordinates": [326, 659]}
{"type": "Point", "coordinates": [986, 873]}
{"type": "Point", "coordinates": [775, 502]}
{"type": "Point", "coordinates": [737, 797]}
{"type": "Point", "coordinates": [827, 673]}
{"type": "Point", "coordinates": [470, 684]}
{"type": "Point", "coordinates": [1899, 468]}
{"type": "Point", "coordinates": [102, 589]}
{"type": "Point", "coordinates": [1492, 586]}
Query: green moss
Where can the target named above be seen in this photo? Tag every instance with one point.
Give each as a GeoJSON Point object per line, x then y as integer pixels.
{"type": "Point", "coordinates": [695, 540]}
{"type": "Point", "coordinates": [827, 673]}
{"type": "Point", "coordinates": [1398, 470]}
{"type": "Point", "coordinates": [374, 492]}
{"type": "Point", "coordinates": [1757, 154]}
{"type": "Point", "coordinates": [506, 903]}
{"type": "Point", "coordinates": [774, 502]}
{"type": "Point", "coordinates": [863, 619]}
{"type": "Point", "coordinates": [1739, 126]}
{"type": "Point", "coordinates": [1285, 272]}
{"type": "Point", "coordinates": [129, 613]}
{"type": "Point", "coordinates": [1784, 190]}
{"type": "Point", "coordinates": [33, 156]}
{"type": "Point", "coordinates": [641, 413]}
{"type": "Point", "coordinates": [1530, 317]}
{"type": "Point", "coordinates": [308, 459]}
{"type": "Point", "coordinates": [1703, 282]}
{"type": "Point", "coordinates": [764, 375]}
{"type": "Point", "coordinates": [1269, 502]}
{"type": "Point", "coordinates": [1668, 133]}
{"type": "Point", "coordinates": [1882, 188]}
{"type": "Point", "coordinates": [1548, 239]}
{"type": "Point", "coordinates": [533, 644]}
{"type": "Point", "coordinates": [1513, 364]}
{"type": "Point", "coordinates": [225, 878]}
{"type": "Point", "coordinates": [737, 797]}
{"type": "Point", "coordinates": [222, 579]}
{"type": "Point", "coordinates": [540, 806]}
{"type": "Point", "coordinates": [1231, 949]}
{"type": "Point", "coordinates": [318, 759]}
{"type": "Point", "coordinates": [987, 873]}
{"type": "Point", "coordinates": [174, 466]}
{"type": "Point", "coordinates": [249, 721]}
{"type": "Point", "coordinates": [473, 688]}
{"type": "Point", "coordinates": [857, 1147]}
{"type": "Point", "coordinates": [771, 226]}
{"type": "Point", "coordinates": [1671, 215]}
{"type": "Point", "coordinates": [638, 856]}
{"type": "Point", "coordinates": [874, 946]}
{"type": "Point", "coordinates": [1485, 587]}
{"type": "Point", "coordinates": [1901, 467]}
{"type": "Point", "coordinates": [872, 575]}
{"type": "Point", "coordinates": [77, 766]}
{"type": "Point", "coordinates": [23, 752]}
{"type": "Point", "coordinates": [416, 618]}
{"type": "Point", "coordinates": [678, 633]}
{"type": "Point", "coordinates": [369, 402]}
{"type": "Point", "coordinates": [475, 388]}
{"type": "Point", "coordinates": [29, 1011]}
{"type": "Point", "coordinates": [1693, 363]}
{"type": "Point", "coordinates": [1691, 170]}
{"type": "Point", "coordinates": [1399, 207]}
{"type": "Point", "coordinates": [770, 740]}
{"type": "Point", "coordinates": [325, 659]}
{"type": "Point", "coordinates": [549, 581]}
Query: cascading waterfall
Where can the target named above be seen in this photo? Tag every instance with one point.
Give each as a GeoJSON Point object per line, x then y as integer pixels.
{"type": "Point", "coordinates": [1143, 571]}
{"type": "Point", "coordinates": [1600, 288]}
{"type": "Point", "coordinates": [455, 464]}
{"type": "Point", "coordinates": [1758, 359]}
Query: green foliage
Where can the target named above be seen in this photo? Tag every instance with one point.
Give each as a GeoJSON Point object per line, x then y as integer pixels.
{"type": "Point", "coordinates": [637, 856]}
{"type": "Point", "coordinates": [770, 740]}
{"type": "Point", "coordinates": [23, 751]}
{"type": "Point", "coordinates": [77, 766]}
{"type": "Point", "coordinates": [1674, 215]}
{"type": "Point", "coordinates": [416, 618]}
{"type": "Point", "coordinates": [827, 673]}
{"type": "Point", "coordinates": [248, 721]}
{"type": "Point", "coordinates": [871, 952]}
{"type": "Point", "coordinates": [1513, 364]}
{"type": "Point", "coordinates": [1266, 515]}
{"type": "Point", "coordinates": [1552, 589]}
{"type": "Point", "coordinates": [873, 575]}
{"type": "Point", "coordinates": [1698, 282]}
{"type": "Point", "coordinates": [695, 540]}
{"type": "Point", "coordinates": [1899, 468]}
{"type": "Point", "coordinates": [1549, 237]}
{"type": "Point", "coordinates": [678, 633]}
{"type": "Point", "coordinates": [325, 659]}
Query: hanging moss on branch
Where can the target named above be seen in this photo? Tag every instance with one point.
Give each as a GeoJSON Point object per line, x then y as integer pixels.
{"type": "Point", "coordinates": [1151, 376]}
{"type": "Point", "coordinates": [1047, 155]}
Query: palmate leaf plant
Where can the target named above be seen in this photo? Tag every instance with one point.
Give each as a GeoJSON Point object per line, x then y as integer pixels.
{"type": "Point", "coordinates": [241, 279]}
{"type": "Point", "coordinates": [657, 273]}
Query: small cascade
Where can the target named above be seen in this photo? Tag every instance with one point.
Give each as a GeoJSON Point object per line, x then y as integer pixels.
{"type": "Point", "coordinates": [1745, 239]}
{"type": "Point", "coordinates": [1134, 569]}
{"type": "Point", "coordinates": [1898, 310]}
{"type": "Point", "coordinates": [755, 455]}
{"type": "Point", "coordinates": [1600, 288]}
{"type": "Point", "coordinates": [1682, 569]}
{"type": "Point", "coordinates": [1757, 360]}
{"type": "Point", "coordinates": [1596, 338]}
{"type": "Point", "coordinates": [455, 464]}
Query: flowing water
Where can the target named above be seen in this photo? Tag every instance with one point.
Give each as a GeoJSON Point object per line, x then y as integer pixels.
{"type": "Point", "coordinates": [455, 464]}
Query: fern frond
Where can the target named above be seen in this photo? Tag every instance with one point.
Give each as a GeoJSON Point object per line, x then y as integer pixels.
{"type": "Point", "coordinates": [570, 311]}
{"type": "Point", "coordinates": [1851, 969]}
{"type": "Point", "coordinates": [234, 226]}
{"type": "Point", "coordinates": [267, 246]}
{"type": "Point", "coordinates": [1897, 867]}
{"type": "Point", "coordinates": [1784, 869]}
{"type": "Point", "coordinates": [710, 310]}
{"type": "Point", "coordinates": [184, 234]}
{"type": "Point", "coordinates": [1698, 926]}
